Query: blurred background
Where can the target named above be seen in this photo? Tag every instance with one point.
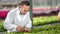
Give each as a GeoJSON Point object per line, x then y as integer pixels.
{"type": "Point", "coordinates": [38, 6]}
{"type": "Point", "coordinates": [45, 6]}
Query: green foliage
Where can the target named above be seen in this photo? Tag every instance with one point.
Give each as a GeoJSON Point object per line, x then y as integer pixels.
{"type": "Point", "coordinates": [46, 29]}
{"type": "Point", "coordinates": [45, 20]}
{"type": "Point", "coordinates": [2, 29]}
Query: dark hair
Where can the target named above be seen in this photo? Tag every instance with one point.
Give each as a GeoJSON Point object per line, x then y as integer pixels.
{"type": "Point", "coordinates": [25, 3]}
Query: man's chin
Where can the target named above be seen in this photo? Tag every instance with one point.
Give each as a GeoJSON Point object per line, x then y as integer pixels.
{"type": "Point", "coordinates": [24, 13]}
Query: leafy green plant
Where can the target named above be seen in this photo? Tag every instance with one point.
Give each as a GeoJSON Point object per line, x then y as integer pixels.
{"type": "Point", "coordinates": [45, 20]}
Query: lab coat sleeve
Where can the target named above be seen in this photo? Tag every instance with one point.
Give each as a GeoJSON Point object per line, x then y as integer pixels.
{"type": "Point", "coordinates": [8, 24]}
{"type": "Point", "coordinates": [29, 24]}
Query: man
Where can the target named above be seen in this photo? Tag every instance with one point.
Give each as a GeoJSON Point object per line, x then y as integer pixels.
{"type": "Point", "coordinates": [18, 19]}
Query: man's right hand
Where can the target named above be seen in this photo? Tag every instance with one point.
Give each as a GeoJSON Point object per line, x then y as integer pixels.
{"type": "Point", "coordinates": [19, 28]}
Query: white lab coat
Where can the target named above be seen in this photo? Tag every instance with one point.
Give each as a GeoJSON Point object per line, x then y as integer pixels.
{"type": "Point", "coordinates": [14, 19]}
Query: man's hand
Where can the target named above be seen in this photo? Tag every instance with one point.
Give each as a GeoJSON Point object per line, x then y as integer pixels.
{"type": "Point", "coordinates": [27, 29]}
{"type": "Point", "coordinates": [19, 28]}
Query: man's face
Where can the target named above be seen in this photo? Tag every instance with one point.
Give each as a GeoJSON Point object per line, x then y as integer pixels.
{"type": "Point", "coordinates": [24, 9]}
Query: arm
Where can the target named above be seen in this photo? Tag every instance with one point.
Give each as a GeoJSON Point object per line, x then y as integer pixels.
{"type": "Point", "coordinates": [29, 25]}
{"type": "Point", "coordinates": [9, 22]}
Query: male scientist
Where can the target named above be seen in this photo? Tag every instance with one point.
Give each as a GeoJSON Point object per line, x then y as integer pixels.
{"type": "Point", "coordinates": [18, 19]}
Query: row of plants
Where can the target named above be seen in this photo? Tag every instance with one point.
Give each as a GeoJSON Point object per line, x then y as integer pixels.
{"type": "Point", "coordinates": [45, 20]}
{"type": "Point", "coordinates": [46, 29]}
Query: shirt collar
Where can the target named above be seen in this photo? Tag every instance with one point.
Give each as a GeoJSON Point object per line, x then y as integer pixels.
{"type": "Point", "coordinates": [18, 10]}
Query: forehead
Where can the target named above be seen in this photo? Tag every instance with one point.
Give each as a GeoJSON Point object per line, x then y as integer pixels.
{"type": "Point", "coordinates": [25, 6]}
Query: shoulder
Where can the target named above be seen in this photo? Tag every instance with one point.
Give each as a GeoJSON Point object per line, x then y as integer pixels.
{"type": "Point", "coordinates": [12, 12]}
{"type": "Point", "coordinates": [28, 14]}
